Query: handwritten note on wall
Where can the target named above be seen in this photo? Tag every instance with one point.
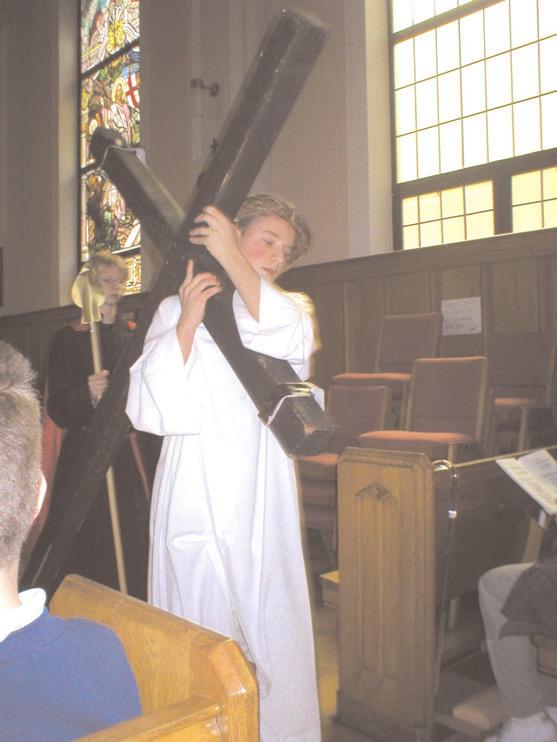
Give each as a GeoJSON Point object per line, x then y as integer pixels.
{"type": "Point", "coordinates": [462, 316]}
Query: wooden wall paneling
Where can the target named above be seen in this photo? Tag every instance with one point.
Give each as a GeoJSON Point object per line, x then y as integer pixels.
{"type": "Point", "coordinates": [458, 283]}
{"type": "Point", "coordinates": [408, 293]}
{"type": "Point", "coordinates": [364, 302]}
{"type": "Point", "coordinates": [547, 283]}
{"type": "Point", "coordinates": [513, 296]}
{"type": "Point", "coordinates": [329, 308]}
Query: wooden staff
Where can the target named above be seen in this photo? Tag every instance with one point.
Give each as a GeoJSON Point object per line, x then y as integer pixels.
{"type": "Point", "coordinates": [90, 299]}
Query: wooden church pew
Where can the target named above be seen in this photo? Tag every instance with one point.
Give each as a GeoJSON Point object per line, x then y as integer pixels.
{"type": "Point", "coordinates": [194, 684]}
{"type": "Point", "coordinates": [394, 533]}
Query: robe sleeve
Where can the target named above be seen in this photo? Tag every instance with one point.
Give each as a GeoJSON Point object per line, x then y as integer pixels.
{"type": "Point", "coordinates": [165, 393]}
{"type": "Point", "coordinates": [285, 328]}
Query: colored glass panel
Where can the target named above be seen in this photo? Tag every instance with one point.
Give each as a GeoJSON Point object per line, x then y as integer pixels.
{"type": "Point", "coordinates": [107, 224]}
{"type": "Point", "coordinates": [110, 98]}
{"type": "Point", "coordinates": [106, 27]}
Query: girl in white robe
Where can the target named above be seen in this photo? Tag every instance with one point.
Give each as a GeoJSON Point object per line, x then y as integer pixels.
{"type": "Point", "coordinates": [226, 546]}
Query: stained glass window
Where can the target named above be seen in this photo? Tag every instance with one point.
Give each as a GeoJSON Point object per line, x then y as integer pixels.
{"type": "Point", "coordinates": [110, 97]}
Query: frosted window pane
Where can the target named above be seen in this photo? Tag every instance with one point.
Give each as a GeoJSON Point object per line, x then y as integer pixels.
{"type": "Point", "coordinates": [426, 103]}
{"type": "Point", "coordinates": [473, 89]}
{"type": "Point", "coordinates": [526, 117]}
{"type": "Point", "coordinates": [404, 63]}
{"type": "Point", "coordinates": [430, 206]}
{"type": "Point", "coordinates": [405, 110]}
{"type": "Point", "coordinates": [524, 22]}
{"type": "Point", "coordinates": [423, 9]}
{"type": "Point", "coordinates": [428, 152]}
{"type": "Point", "coordinates": [451, 146]}
{"type": "Point", "coordinates": [430, 234]}
{"type": "Point", "coordinates": [471, 38]}
{"type": "Point", "coordinates": [526, 187]}
{"type": "Point", "coordinates": [525, 72]}
{"type": "Point", "coordinates": [547, 10]}
{"type": "Point", "coordinates": [500, 133]}
{"type": "Point", "coordinates": [406, 158]}
{"type": "Point", "coordinates": [441, 6]}
{"type": "Point", "coordinates": [475, 141]}
{"type": "Point", "coordinates": [526, 218]}
{"type": "Point", "coordinates": [548, 64]}
{"type": "Point", "coordinates": [497, 29]}
{"type": "Point", "coordinates": [549, 117]}
{"type": "Point", "coordinates": [448, 47]}
{"type": "Point", "coordinates": [453, 229]}
{"type": "Point", "coordinates": [410, 237]}
{"type": "Point", "coordinates": [478, 197]}
{"type": "Point", "coordinates": [402, 14]}
{"type": "Point", "coordinates": [410, 210]}
{"type": "Point", "coordinates": [498, 74]}
{"type": "Point", "coordinates": [479, 225]}
{"type": "Point", "coordinates": [550, 214]}
{"type": "Point", "coordinates": [549, 182]}
{"type": "Point", "coordinates": [449, 96]}
{"type": "Point", "coordinates": [452, 202]}
{"type": "Point", "coordinates": [426, 55]}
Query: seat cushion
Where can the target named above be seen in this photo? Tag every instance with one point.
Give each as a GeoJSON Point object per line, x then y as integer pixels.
{"type": "Point", "coordinates": [511, 403]}
{"type": "Point", "coordinates": [322, 467]}
{"type": "Point", "coordinates": [433, 445]}
{"type": "Point", "coordinates": [369, 379]}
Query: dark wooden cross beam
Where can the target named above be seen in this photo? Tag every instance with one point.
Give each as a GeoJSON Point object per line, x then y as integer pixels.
{"type": "Point", "coordinates": [280, 68]}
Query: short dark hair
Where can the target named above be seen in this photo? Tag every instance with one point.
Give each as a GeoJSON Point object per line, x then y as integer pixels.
{"type": "Point", "coordinates": [267, 204]}
{"type": "Point", "coordinates": [20, 451]}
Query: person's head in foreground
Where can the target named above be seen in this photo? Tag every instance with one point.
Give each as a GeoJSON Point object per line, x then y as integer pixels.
{"type": "Point", "coordinates": [273, 234]}
{"type": "Point", "coordinates": [21, 483]}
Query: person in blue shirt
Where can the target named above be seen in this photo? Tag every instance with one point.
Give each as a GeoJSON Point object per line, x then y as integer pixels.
{"type": "Point", "coordinates": [60, 679]}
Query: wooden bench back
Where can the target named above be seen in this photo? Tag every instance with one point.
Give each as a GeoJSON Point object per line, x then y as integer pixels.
{"type": "Point", "coordinates": [179, 667]}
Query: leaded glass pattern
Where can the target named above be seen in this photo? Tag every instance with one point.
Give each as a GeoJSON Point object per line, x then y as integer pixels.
{"type": "Point", "coordinates": [534, 200]}
{"type": "Point", "coordinates": [109, 97]}
{"type": "Point", "coordinates": [449, 215]}
{"type": "Point", "coordinates": [478, 89]}
{"type": "Point", "coordinates": [106, 27]}
{"type": "Point", "coordinates": [409, 12]}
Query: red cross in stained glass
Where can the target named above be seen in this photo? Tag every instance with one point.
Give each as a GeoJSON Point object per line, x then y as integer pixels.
{"type": "Point", "coordinates": [130, 92]}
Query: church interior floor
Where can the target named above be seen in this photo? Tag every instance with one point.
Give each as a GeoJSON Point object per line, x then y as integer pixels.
{"type": "Point", "coordinates": [463, 679]}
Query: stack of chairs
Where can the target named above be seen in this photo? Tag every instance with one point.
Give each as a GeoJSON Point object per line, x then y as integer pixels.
{"type": "Point", "coordinates": [522, 370]}
{"type": "Point", "coordinates": [403, 339]}
{"type": "Point", "coordinates": [355, 410]}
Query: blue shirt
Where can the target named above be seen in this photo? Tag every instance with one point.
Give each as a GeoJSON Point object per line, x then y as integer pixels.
{"type": "Point", "coordinates": [62, 679]}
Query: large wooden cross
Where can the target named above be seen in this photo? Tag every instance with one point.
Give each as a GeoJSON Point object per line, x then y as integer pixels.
{"type": "Point", "coordinates": [281, 66]}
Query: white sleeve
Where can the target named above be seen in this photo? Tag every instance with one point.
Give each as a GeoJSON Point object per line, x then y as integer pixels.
{"type": "Point", "coordinates": [285, 328]}
{"type": "Point", "coordinates": [164, 395]}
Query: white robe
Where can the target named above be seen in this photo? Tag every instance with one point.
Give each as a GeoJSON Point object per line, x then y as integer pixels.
{"type": "Point", "coordinates": [226, 546]}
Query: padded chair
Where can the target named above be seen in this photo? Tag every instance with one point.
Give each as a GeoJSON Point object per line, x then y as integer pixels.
{"type": "Point", "coordinates": [445, 410]}
{"type": "Point", "coordinates": [354, 409]}
{"type": "Point", "coordinates": [194, 684]}
{"type": "Point", "coordinates": [521, 370]}
{"type": "Point", "coordinates": [403, 339]}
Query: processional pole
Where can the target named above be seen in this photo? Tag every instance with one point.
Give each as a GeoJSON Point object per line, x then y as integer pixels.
{"type": "Point", "coordinates": [90, 299]}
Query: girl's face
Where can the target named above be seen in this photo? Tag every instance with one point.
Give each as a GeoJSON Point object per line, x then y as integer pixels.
{"type": "Point", "coordinates": [109, 278]}
{"type": "Point", "coordinates": [267, 245]}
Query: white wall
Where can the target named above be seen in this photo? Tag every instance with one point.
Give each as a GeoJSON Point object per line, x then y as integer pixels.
{"type": "Point", "coordinates": [331, 157]}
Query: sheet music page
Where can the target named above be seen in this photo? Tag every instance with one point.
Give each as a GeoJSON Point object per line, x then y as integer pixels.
{"type": "Point", "coordinates": [542, 488]}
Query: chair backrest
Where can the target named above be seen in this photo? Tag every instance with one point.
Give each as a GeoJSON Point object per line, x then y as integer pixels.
{"type": "Point", "coordinates": [522, 364]}
{"type": "Point", "coordinates": [356, 410]}
{"type": "Point", "coordinates": [172, 659]}
{"type": "Point", "coordinates": [448, 395]}
{"type": "Point", "coordinates": [405, 337]}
